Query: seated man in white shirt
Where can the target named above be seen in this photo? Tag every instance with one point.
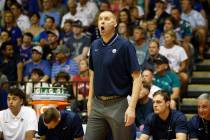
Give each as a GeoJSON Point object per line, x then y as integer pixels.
{"type": "Point", "coordinates": [18, 122]}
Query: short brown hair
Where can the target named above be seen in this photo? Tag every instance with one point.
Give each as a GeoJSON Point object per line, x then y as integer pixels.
{"type": "Point", "coordinates": [162, 93]}
{"type": "Point", "coordinates": [50, 114]}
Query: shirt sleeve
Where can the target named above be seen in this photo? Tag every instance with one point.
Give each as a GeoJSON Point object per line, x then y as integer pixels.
{"type": "Point", "coordinates": [32, 121]}
{"type": "Point", "coordinates": [181, 124]}
{"type": "Point", "coordinates": [147, 125]}
{"type": "Point", "coordinates": [47, 69]}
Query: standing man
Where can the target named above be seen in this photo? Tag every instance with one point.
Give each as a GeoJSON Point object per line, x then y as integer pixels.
{"type": "Point", "coordinates": [164, 123]}
{"type": "Point", "coordinates": [18, 122]}
{"type": "Point", "coordinates": [60, 125]}
{"type": "Point", "coordinates": [115, 73]}
{"type": "Point", "coordinates": [199, 125]}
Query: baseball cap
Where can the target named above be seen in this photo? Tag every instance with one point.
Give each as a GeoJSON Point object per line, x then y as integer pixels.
{"type": "Point", "coordinates": [160, 59]}
{"type": "Point", "coordinates": [38, 49]}
{"type": "Point", "coordinates": [77, 23]}
{"type": "Point", "coordinates": [52, 32]}
{"type": "Point", "coordinates": [61, 49]}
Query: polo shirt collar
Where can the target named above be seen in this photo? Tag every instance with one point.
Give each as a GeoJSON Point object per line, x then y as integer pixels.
{"type": "Point", "coordinates": [19, 115]}
{"type": "Point", "coordinates": [110, 42]}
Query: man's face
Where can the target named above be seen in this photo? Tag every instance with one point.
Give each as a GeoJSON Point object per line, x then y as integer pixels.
{"type": "Point", "coordinates": [14, 102]}
{"type": "Point", "coordinates": [147, 77]}
{"type": "Point", "coordinates": [175, 14]}
{"type": "Point", "coordinates": [138, 34]}
{"type": "Point", "coordinates": [153, 49]}
{"type": "Point", "coordinates": [77, 30]}
{"type": "Point", "coordinates": [35, 77]}
{"type": "Point", "coordinates": [8, 18]}
{"type": "Point", "coordinates": [9, 51]}
{"type": "Point", "coordinates": [204, 108]}
{"type": "Point", "coordinates": [52, 38]}
{"type": "Point", "coordinates": [185, 5]}
{"type": "Point", "coordinates": [48, 23]}
{"type": "Point", "coordinates": [36, 56]}
{"type": "Point", "coordinates": [106, 23]}
{"type": "Point", "coordinates": [60, 56]}
{"type": "Point", "coordinates": [160, 105]}
{"type": "Point", "coordinates": [47, 4]}
{"type": "Point", "coordinates": [27, 40]}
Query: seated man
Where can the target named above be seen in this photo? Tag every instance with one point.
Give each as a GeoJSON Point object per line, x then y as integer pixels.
{"type": "Point", "coordinates": [60, 125]}
{"type": "Point", "coordinates": [164, 123]}
{"type": "Point", "coordinates": [199, 125]}
{"type": "Point", "coordinates": [18, 122]}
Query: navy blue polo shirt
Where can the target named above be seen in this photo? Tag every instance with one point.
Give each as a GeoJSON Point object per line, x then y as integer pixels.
{"type": "Point", "coordinates": [167, 129]}
{"type": "Point", "coordinates": [69, 127]}
{"type": "Point", "coordinates": [113, 64]}
{"type": "Point", "coordinates": [199, 128]}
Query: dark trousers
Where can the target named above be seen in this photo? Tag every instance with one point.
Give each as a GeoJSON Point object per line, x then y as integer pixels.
{"type": "Point", "coordinates": [106, 116]}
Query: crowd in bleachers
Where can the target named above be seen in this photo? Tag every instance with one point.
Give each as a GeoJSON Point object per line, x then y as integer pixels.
{"type": "Point", "coordinates": [46, 43]}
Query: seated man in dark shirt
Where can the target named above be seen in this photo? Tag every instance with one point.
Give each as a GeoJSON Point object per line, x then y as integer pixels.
{"type": "Point", "coordinates": [164, 123]}
{"type": "Point", "coordinates": [199, 125]}
{"type": "Point", "coordinates": [60, 125]}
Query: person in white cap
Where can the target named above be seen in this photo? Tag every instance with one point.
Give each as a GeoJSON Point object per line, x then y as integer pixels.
{"type": "Point", "coordinates": [37, 62]}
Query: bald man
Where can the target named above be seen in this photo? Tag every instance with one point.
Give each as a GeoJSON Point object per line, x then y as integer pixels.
{"type": "Point", "coordinates": [115, 74]}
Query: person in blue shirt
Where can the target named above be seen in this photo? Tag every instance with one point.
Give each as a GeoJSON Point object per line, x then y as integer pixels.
{"type": "Point", "coordinates": [164, 123]}
{"type": "Point", "coordinates": [199, 125]}
{"type": "Point", "coordinates": [60, 125]}
{"type": "Point", "coordinates": [114, 74]}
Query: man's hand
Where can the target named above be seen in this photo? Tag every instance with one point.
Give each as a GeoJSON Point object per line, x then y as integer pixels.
{"type": "Point", "coordinates": [130, 115]}
{"type": "Point", "coordinates": [89, 106]}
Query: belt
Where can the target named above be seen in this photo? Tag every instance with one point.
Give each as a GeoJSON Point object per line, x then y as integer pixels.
{"type": "Point", "coordinates": [106, 98]}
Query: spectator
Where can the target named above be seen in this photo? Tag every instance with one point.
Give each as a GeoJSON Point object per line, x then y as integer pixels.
{"type": "Point", "coordinates": [62, 79]}
{"type": "Point", "coordinates": [164, 123]}
{"type": "Point", "coordinates": [177, 57]}
{"type": "Point", "coordinates": [153, 53]}
{"type": "Point", "coordinates": [63, 63]}
{"type": "Point", "coordinates": [14, 31]}
{"type": "Point", "coordinates": [73, 14]}
{"type": "Point", "coordinates": [35, 29]}
{"type": "Point", "coordinates": [52, 44]}
{"type": "Point", "coordinates": [78, 43]}
{"type": "Point", "coordinates": [22, 20]}
{"type": "Point", "coordinates": [87, 9]}
{"type": "Point", "coordinates": [184, 29]}
{"type": "Point", "coordinates": [9, 62]}
{"type": "Point", "coordinates": [54, 124]}
{"type": "Point", "coordinates": [153, 32]}
{"type": "Point", "coordinates": [37, 62]}
{"type": "Point", "coordinates": [49, 11]}
{"type": "Point", "coordinates": [160, 13]}
{"type": "Point", "coordinates": [147, 79]}
{"type": "Point", "coordinates": [5, 36]}
{"type": "Point", "coordinates": [143, 109]}
{"type": "Point", "coordinates": [133, 4]}
{"type": "Point", "coordinates": [35, 82]}
{"type": "Point", "coordinates": [81, 87]}
{"type": "Point", "coordinates": [21, 122]}
{"type": "Point", "coordinates": [141, 44]}
{"type": "Point", "coordinates": [123, 30]}
{"type": "Point", "coordinates": [67, 29]}
{"type": "Point", "coordinates": [167, 79]}
{"type": "Point", "coordinates": [49, 25]}
{"type": "Point", "coordinates": [198, 24]}
{"type": "Point", "coordinates": [199, 125]}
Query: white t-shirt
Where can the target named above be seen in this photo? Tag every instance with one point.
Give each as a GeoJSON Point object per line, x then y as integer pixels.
{"type": "Point", "coordinates": [153, 89]}
{"type": "Point", "coordinates": [175, 55]}
{"type": "Point", "coordinates": [15, 127]}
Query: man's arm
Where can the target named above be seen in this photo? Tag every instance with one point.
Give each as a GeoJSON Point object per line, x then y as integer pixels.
{"type": "Point", "coordinates": [90, 96]}
{"type": "Point", "coordinates": [181, 136]}
{"type": "Point", "coordinates": [144, 137]}
{"type": "Point", "coordinates": [29, 135]}
{"type": "Point", "coordinates": [137, 85]}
